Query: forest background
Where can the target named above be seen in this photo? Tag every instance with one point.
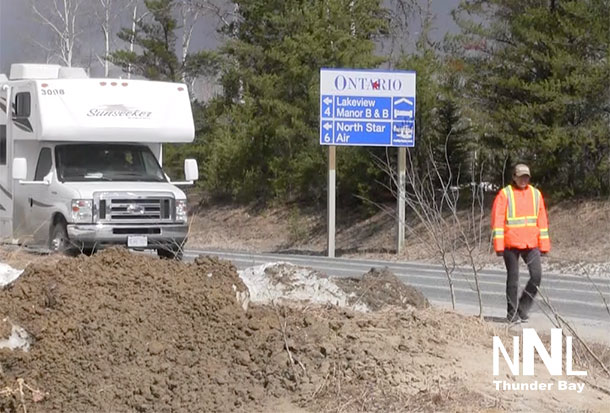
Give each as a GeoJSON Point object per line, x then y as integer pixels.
{"type": "Point", "coordinates": [517, 81]}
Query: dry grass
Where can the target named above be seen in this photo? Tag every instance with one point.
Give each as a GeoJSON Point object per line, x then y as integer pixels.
{"type": "Point", "coordinates": [579, 235]}
{"type": "Point", "coordinates": [20, 395]}
{"type": "Point", "coordinates": [581, 223]}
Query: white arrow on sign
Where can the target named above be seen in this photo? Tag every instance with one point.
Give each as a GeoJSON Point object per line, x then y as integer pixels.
{"type": "Point", "coordinates": [328, 126]}
{"type": "Point", "coordinates": [327, 100]}
{"type": "Point", "coordinates": [403, 100]}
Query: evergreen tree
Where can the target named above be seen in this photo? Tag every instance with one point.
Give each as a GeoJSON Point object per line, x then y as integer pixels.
{"type": "Point", "coordinates": [443, 136]}
{"type": "Point", "coordinates": [540, 75]}
{"type": "Point", "coordinates": [156, 56]}
{"type": "Point", "coordinates": [263, 139]}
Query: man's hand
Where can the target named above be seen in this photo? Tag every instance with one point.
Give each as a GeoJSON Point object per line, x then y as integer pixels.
{"type": "Point", "coordinates": [500, 253]}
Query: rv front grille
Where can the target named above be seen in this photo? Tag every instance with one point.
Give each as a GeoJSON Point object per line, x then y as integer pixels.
{"type": "Point", "coordinates": [137, 209]}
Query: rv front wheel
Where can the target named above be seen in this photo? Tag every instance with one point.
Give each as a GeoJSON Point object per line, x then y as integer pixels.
{"type": "Point", "coordinates": [59, 241]}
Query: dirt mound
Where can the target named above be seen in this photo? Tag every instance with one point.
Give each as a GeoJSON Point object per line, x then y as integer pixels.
{"type": "Point", "coordinates": [123, 332]}
{"type": "Point", "coordinates": [380, 288]}
{"type": "Point", "coordinates": [120, 332]}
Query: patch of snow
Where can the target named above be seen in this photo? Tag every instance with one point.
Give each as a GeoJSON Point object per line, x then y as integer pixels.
{"type": "Point", "coordinates": [19, 339]}
{"type": "Point", "coordinates": [283, 282]}
{"type": "Point", "coordinates": [8, 274]}
{"type": "Point", "coordinates": [243, 297]}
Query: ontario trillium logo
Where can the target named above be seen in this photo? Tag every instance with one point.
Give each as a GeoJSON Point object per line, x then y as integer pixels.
{"type": "Point", "coordinates": [553, 362]}
{"type": "Point", "coordinates": [118, 111]}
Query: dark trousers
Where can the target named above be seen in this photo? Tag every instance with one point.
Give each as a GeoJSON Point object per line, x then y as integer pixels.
{"type": "Point", "coordinates": [511, 260]}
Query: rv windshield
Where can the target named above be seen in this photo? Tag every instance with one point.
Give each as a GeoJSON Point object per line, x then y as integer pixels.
{"type": "Point", "coordinates": [107, 162]}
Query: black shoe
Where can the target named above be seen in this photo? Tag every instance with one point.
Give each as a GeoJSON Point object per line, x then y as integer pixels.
{"type": "Point", "coordinates": [514, 319]}
{"type": "Point", "coordinates": [524, 318]}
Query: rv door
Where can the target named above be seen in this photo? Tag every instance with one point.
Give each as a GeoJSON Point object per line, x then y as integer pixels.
{"type": "Point", "coordinates": [39, 199]}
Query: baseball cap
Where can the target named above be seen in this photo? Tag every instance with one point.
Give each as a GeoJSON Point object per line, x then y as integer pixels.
{"type": "Point", "coordinates": [522, 169]}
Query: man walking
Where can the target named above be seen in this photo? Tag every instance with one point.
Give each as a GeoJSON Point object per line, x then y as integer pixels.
{"type": "Point", "coordinates": [520, 229]}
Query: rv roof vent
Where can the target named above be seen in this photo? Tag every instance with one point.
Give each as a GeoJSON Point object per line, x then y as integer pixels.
{"type": "Point", "coordinates": [72, 73]}
{"type": "Point", "coordinates": [33, 71]}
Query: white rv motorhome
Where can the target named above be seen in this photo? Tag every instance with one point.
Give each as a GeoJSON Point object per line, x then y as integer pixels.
{"type": "Point", "coordinates": [80, 160]}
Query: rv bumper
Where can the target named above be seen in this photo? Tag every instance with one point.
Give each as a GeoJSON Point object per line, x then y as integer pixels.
{"type": "Point", "coordinates": [97, 235]}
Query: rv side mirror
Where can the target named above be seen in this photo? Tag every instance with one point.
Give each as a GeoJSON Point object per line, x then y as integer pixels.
{"type": "Point", "coordinates": [191, 171]}
{"type": "Point", "coordinates": [20, 169]}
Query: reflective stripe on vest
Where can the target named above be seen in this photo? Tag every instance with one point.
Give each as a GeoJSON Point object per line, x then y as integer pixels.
{"type": "Point", "coordinates": [514, 221]}
{"type": "Point", "coordinates": [498, 233]}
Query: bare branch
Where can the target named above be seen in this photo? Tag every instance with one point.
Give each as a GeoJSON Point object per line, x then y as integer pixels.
{"type": "Point", "coordinates": [59, 14]}
{"type": "Point", "coordinates": [63, 24]}
{"type": "Point", "coordinates": [46, 20]}
{"type": "Point", "coordinates": [208, 7]}
{"type": "Point", "coordinates": [562, 322]}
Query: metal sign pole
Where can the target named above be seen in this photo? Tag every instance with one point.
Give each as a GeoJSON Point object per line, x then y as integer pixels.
{"type": "Point", "coordinates": [331, 199]}
{"type": "Point", "coordinates": [400, 224]}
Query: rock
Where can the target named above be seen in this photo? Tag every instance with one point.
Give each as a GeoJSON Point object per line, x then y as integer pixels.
{"type": "Point", "coordinates": [242, 357]}
{"type": "Point", "coordinates": [155, 347]}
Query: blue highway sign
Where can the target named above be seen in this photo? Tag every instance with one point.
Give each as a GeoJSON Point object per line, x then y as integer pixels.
{"type": "Point", "coordinates": [367, 108]}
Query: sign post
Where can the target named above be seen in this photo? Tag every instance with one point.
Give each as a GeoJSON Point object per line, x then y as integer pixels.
{"type": "Point", "coordinates": [400, 207]}
{"type": "Point", "coordinates": [366, 108]}
{"type": "Point", "coordinates": [331, 199]}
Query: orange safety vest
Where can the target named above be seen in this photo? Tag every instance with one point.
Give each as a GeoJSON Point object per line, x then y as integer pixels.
{"type": "Point", "coordinates": [519, 220]}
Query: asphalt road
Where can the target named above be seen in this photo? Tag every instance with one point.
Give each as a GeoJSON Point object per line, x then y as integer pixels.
{"type": "Point", "coordinates": [577, 298]}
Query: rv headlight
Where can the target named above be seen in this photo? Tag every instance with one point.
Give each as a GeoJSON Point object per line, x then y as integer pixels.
{"type": "Point", "coordinates": [181, 210]}
{"type": "Point", "coordinates": [82, 210]}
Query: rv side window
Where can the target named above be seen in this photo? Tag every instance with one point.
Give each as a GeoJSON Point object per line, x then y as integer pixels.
{"type": "Point", "coordinates": [2, 144]}
{"type": "Point", "coordinates": [44, 164]}
{"type": "Point", "coordinates": [22, 105]}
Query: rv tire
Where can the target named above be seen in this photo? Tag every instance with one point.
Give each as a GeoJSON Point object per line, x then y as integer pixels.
{"type": "Point", "coordinates": [59, 241]}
